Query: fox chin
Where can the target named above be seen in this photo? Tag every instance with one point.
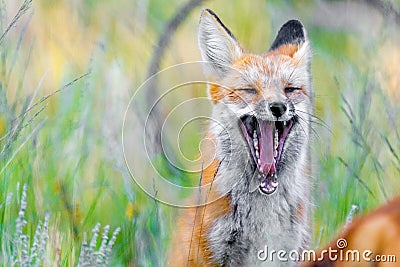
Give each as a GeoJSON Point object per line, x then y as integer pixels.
{"type": "Point", "coordinates": [260, 165]}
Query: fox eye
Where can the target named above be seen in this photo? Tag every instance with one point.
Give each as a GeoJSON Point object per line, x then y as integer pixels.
{"type": "Point", "coordinates": [249, 90]}
{"type": "Point", "coordinates": [291, 89]}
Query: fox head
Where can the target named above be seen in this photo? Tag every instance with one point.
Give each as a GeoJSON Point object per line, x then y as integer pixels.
{"type": "Point", "coordinates": [263, 102]}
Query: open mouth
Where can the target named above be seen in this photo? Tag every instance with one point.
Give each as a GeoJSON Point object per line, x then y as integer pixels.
{"type": "Point", "coordinates": [266, 140]}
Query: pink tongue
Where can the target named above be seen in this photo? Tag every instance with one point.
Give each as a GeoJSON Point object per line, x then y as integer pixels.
{"type": "Point", "coordinates": [266, 145]}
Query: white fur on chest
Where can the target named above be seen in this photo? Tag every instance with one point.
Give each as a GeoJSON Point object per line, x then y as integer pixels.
{"type": "Point", "coordinates": [258, 221]}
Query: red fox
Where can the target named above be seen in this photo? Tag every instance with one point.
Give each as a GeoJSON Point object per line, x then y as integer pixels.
{"type": "Point", "coordinates": [262, 108]}
{"type": "Point", "coordinates": [372, 240]}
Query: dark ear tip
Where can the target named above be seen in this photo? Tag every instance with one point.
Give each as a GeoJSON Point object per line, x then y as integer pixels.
{"type": "Point", "coordinates": [293, 23]}
{"type": "Point", "coordinates": [209, 12]}
{"type": "Point", "coordinates": [216, 18]}
{"type": "Point", "coordinates": [290, 33]}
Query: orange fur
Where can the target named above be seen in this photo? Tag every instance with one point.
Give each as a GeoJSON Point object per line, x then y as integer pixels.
{"type": "Point", "coordinates": [287, 49]}
{"type": "Point", "coordinates": [216, 93]}
{"type": "Point", "coordinates": [285, 53]}
{"type": "Point", "coordinates": [379, 232]}
{"type": "Point", "coordinates": [194, 224]}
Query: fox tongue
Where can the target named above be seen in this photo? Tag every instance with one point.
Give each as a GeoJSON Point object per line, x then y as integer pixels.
{"type": "Point", "coordinates": [266, 146]}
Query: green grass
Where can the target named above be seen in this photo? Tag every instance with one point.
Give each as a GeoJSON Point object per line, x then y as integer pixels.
{"type": "Point", "coordinates": [66, 146]}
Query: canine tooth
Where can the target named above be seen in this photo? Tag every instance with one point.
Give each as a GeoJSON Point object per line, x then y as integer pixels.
{"type": "Point", "coordinates": [276, 139]}
{"type": "Point", "coordinates": [284, 123]}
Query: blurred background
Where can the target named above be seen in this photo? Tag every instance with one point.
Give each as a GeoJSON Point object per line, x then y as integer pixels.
{"type": "Point", "coordinates": [69, 68]}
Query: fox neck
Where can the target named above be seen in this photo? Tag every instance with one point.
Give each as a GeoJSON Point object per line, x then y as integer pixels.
{"type": "Point", "coordinates": [278, 221]}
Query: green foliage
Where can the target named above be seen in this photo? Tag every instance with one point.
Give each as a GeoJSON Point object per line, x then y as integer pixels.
{"type": "Point", "coordinates": [65, 146]}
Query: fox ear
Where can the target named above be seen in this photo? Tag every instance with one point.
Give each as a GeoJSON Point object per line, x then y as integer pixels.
{"type": "Point", "coordinates": [292, 40]}
{"type": "Point", "coordinates": [292, 32]}
{"type": "Point", "coordinates": [217, 44]}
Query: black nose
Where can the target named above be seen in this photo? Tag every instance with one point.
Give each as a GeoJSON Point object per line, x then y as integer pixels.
{"type": "Point", "coordinates": [277, 109]}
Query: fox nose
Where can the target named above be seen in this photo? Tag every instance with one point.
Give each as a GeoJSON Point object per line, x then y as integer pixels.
{"type": "Point", "coordinates": [277, 109]}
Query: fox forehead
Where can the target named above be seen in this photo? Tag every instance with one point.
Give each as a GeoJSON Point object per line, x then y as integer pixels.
{"type": "Point", "coordinates": [272, 70]}
{"type": "Point", "coordinates": [268, 73]}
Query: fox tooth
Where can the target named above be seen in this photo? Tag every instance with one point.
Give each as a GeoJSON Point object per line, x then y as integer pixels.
{"type": "Point", "coordinates": [284, 123]}
{"type": "Point", "coordinates": [255, 143]}
{"type": "Point", "coordinates": [259, 162]}
{"type": "Point", "coordinates": [255, 138]}
{"type": "Point", "coordinates": [275, 153]}
{"type": "Point", "coordinates": [257, 154]}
